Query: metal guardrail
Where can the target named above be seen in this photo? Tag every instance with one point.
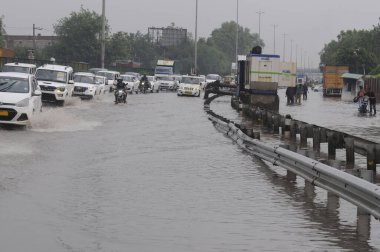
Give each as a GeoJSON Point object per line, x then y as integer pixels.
{"type": "Point", "coordinates": [359, 192]}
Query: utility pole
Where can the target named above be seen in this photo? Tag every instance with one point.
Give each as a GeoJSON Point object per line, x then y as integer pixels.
{"type": "Point", "coordinates": [291, 50]}
{"type": "Point", "coordinates": [103, 42]}
{"type": "Point", "coordinates": [34, 38]}
{"type": "Point", "coordinates": [274, 38]}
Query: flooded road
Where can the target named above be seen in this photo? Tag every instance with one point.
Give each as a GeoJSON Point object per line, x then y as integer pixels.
{"type": "Point", "coordinates": [155, 175]}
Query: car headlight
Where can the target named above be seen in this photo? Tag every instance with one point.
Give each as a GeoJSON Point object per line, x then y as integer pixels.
{"type": "Point", "coordinates": [61, 89]}
{"type": "Point", "coordinates": [23, 103]}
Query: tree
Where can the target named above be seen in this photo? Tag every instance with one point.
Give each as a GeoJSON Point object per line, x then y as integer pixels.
{"type": "Point", "coordinates": [79, 38]}
{"type": "Point", "coordinates": [2, 32]}
{"type": "Point", "coordinates": [224, 38]}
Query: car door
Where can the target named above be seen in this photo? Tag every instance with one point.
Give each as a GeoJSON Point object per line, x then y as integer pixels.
{"type": "Point", "coordinates": [35, 99]}
{"type": "Point", "coordinates": [70, 84]}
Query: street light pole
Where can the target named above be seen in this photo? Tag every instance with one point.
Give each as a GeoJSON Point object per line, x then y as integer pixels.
{"type": "Point", "coordinates": [284, 47]}
{"type": "Point", "coordinates": [237, 34]}
{"type": "Point", "coordinates": [274, 38]}
{"type": "Point", "coordinates": [260, 12]}
{"type": "Point", "coordinates": [196, 38]}
{"type": "Point", "coordinates": [103, 42]}
{"type": "Point", "coordinates": [291, 50]}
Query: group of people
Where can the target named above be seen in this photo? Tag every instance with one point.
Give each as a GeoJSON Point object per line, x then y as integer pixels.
{"type": "Point", "coordinates": [293, 94]}
{"type": "Point", "coordinates": [371, 97]}
{"type": "Point", "coordinates": [123, 86]}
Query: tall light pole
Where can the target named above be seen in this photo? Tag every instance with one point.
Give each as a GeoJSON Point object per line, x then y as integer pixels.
{"type": "Point", "coordinates": [260, 12]}
{"type": "Point", "coordinates": [237, 34]}
{"type": "Point", "coordinates": [291, 50]}
{"type": "Point", "coordinates": [196, 38]}
{"type": "Point", "coordinates": [103, 42]}
{"type": "Point", "coordinates": [283, 54]}
{"type": "Point", "coordinates": [274, 38]}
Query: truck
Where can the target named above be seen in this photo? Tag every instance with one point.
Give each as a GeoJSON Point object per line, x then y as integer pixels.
{"type": "Point", "coordinates": [258, 79]}
{"type": "Point", "coordinates": [332, 79]}
{"type": "Point", "coordinates": [164, 67]}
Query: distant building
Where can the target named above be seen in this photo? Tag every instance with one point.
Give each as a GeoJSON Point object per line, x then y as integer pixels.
{"type": "Point", "coordinates": [12, 41]}
{"type": "Point", "coordinates": [169, 36]}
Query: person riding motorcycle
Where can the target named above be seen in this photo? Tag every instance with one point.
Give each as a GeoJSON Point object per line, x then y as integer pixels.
{"type": "Point", "coordinates": [144, 83]}
{"type": "Point", "coordinates": [120, 85]}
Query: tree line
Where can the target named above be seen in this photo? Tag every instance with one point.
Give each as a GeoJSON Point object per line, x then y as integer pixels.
{"type": "Point", "coordinates": [79, 40]}
{"type": "Point", "coordinates": [359, 49]}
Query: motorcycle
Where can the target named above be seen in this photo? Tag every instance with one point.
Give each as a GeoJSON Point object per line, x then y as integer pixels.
{"type": "Point", "coordinates": [120, 96]}
{"type": "Point", "coordinates": [363, 103]}
{"type": "Point", "coordinates": [144, 87]}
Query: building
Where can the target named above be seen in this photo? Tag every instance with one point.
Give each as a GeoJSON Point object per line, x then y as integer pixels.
{"type": "Point", "coordinates": [12, 41]}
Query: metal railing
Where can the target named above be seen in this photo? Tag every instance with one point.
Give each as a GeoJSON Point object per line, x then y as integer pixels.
{"type": "Point", "coordinates": [359, 192]}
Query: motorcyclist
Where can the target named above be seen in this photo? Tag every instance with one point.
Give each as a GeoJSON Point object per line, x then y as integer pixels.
{"type": "Point", "coordinates": [144, 82]}
{"type": "Point", "coordinates": [120, 85]}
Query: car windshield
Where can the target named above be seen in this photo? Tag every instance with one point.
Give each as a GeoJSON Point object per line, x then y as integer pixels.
{"type": "Point", "coordinates": [14, 85]}
{"type": "Point", "coordinates": [99, 80]}
{"type": "Point", "coordinates": [163, 70]}
{"type": "Point", "coordinates": [108, 75]}
{"type": "Point", "coordinates": [51, 75]}
{"type": "Point", "coordinates": [132, 73]}
{"type": "Point", "coordinates": [191, 80]}
{"type": "Point", "coordinates": [165, 78]}
{"type": "Point", "coordinates": [84, 79]}
{"type": "Point", "coordinates": [213, 77]}
{"type": "Point", "coordinates": [17, 69]}
{"type": "Point", "coordinates": [128, 78]}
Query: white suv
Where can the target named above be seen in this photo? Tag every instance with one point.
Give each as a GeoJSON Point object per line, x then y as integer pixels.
{"type": "Point", "coordinates": [20, 68]}
{"type": "Point", "coordinates": [111, 76]}
{"type": "Point", "coordinates": [56, 83]}
{"type": "Point", "coordinates": [20, 98]}
{"type": "Point", "coordinates": [85, 85]}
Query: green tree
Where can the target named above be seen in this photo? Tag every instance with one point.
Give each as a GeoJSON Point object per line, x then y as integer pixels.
{"type": "Point", "coordinates": [224, 38]}
{"type": "Point", "coordinates": [78, 38]}
{"type": "Point", "coordinates": [357, 49]}
{"type": "Point", "coordinates": [212, 60]}
{"type": "Point", "coordinates": [2, 32]}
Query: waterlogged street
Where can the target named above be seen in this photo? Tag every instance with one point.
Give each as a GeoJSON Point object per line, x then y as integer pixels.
{"type": "Point", "coordinates": [155, 175]}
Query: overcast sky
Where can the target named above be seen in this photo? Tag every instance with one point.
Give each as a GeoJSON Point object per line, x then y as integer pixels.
{"type": "Point", "coordinates": [309, 24]}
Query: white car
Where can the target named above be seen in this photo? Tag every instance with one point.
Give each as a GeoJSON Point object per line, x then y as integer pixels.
{"type": "Point", "coordinates": [167, 82]}
{"type": "Point", "coordinates": [132, 83]}
{"type": "Point", "coordinates": [85, 86]}
{"type": "Point", "coordinates": [190, 85]}
{"type": "Point", "coordinates": [111, 76]}
{"type": "Point", "coordinates": [100, 82]}
{"type": "Point", "coordinates": [20, 68]}
{"type": "Point", "coordinates": [154, 84]}
{"type": "Point", "coordinates": [56, 83]}
{"type": "Point", "coordinates": [212, 78]}
{"type": "Point", "coordinates": [20, 98]}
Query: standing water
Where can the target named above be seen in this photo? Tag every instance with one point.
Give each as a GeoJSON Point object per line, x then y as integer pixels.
{"type": "Point", "coordinates": [155, 175]}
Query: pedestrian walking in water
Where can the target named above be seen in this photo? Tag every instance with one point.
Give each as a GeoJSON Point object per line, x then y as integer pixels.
{"type": "Point", "coordinates": [290, 92]}
{"type": "Point", "coordinates": [372, 100]}
{"type": "Point", "coordinates": [299, 91]}
{"type": "Point", "coordinates": [305, 91]}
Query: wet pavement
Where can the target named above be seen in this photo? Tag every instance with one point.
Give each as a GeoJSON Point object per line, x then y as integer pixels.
{"type": "Point", "coordinates": [155, 175]}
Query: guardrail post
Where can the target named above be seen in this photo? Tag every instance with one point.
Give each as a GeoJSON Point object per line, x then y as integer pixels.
{"type": "Point", "coordinates": [350, 152]}
{"type": "Point", "coordinates": [276, 124]}
{"type": "Point", "coordinates": [316, 139]}
{"type": "Point", "coordinates": [293, 130]}
{"type": "Point", "coordinates": [303, 136]}
{"type": "Point", "coordinates": [331, 145]}
{"type": "Point", "coordinates": [323, 135]}
{"type": "Point", "coordinates": [256, 135]}
{"type": "Point", "coordinates": [371, 157]}
{"type": "Point", "coordinates": [291, 176]}
{"type": "Point", "coordinates": [332, 202]}
{"type": "Point", "coordinates": [287, 124]}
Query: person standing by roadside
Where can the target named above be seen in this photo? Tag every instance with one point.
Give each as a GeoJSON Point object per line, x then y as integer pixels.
{"type": "Point", "coordinates": [305, 91]}
{"type": "Point", "coordinates": [372, 100]}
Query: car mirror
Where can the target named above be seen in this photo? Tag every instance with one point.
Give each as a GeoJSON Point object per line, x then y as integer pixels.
{"type": "Point", "coordinates": [37, 92]}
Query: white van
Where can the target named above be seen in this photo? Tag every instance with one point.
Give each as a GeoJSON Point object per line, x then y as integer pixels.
{"type": "Point", "coordinates": [20, 68]}
{"type": "Point", "coordinates": [111, 76]}
{"type": "Point", "coordinates": [56, 82]}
